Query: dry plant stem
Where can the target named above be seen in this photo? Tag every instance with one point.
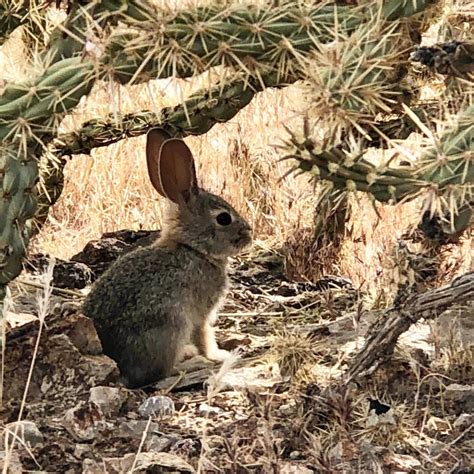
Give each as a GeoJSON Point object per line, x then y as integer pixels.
{"type": "Point", "coordinates": [142, 442]}
{"type": "Point", "coordinates": [43, 303]}
{"type": "Point", "coordinates": [383, 335]}
{"type": "Point", "coordinates": [4, 306]}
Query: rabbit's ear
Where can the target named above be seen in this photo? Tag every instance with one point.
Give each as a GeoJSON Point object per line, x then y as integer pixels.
{"type": "Point", "coordinates": [154, 139]}
{"type": "Point", "coordinates": [176, 171]}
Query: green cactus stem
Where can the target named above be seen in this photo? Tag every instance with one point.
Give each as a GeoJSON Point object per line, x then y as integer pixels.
{"type": "Point", "coordinates": [445, 172]}
{"type": "Point", "coordinates": [29, 115]}
{"type": "Point", "coordinates": [18, 176]}
{"type": "Point", "coordinates": [254, 39]}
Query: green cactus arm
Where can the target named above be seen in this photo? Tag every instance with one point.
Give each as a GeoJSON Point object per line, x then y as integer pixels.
{"type": "Point", "coordinates": [451, 159]}
{"type": "Point", "coordinates": [249, 38]}
{"type": "Point", "coordinates": [447, 167]}
{"type": "Point", "coordinates": [195, 116]}
{"type": "Point", "coordinates": [18, 177]}
{"type": "Point", "coordinates": [45, 100]}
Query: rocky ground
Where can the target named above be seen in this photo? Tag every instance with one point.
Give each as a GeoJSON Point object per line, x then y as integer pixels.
{"type": "Point", "coordinates": [280, 406]}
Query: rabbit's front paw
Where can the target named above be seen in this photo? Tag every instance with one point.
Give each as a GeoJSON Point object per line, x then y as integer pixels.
{"type": "Point", "coordinates": [218, 355]}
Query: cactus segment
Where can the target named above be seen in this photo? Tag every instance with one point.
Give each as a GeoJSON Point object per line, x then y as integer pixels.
{"type": "Point", "coordinates": [50, 97]}
{"type": "Point", "coordinates": [29, 116]}
{"type": "Point", "coordinates": [445, 172]}
{"type": "Point", "coordinates": [17, 205]}
{"type": "Point", "coordinates": [195, 116]}
{"type": "Point", "coordinates": [251, 39]}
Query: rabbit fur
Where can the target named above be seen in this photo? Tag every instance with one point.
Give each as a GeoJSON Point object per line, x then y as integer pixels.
{"type": "Point", "coordinates": [157, 304]}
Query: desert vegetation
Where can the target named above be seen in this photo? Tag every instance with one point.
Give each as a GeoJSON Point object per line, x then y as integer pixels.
{"type": "Point", "coordinates": [343, 132]}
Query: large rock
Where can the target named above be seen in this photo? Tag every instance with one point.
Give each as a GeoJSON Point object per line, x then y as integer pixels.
{"type": "Point", "coordinates": [93, 260]}
{"type": "Point", "coordinates": [109, 399]}
{"type": "Point", "coordinates": [27, 434]}
{"type": "Point", "coordinates": [99, 254]}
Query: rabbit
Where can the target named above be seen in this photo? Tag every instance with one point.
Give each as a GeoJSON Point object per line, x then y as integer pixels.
{"type": "Point", "coordinates": [158, 304]}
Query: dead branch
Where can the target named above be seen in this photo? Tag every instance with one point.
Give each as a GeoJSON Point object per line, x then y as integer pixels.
{"type": "Point", "coordinates": [382, 337]}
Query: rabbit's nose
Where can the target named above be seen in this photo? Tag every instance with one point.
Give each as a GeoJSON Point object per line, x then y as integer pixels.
{"type": "Point", "coordinates": [245, 234]}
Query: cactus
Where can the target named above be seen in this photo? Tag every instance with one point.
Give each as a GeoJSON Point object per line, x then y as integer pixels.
{"type": "Point", "coordinates": [445, 172]}
{"type": "Point", "coordinates": [253, 39]}
{"type": "Point", "coordinates": [140, 43]}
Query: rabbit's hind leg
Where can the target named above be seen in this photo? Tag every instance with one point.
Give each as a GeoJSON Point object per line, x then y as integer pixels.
{"type": "Point", "coordinates": [151, 355]}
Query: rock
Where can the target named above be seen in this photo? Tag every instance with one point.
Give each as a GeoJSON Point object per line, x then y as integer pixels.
{"type": "Point", "coordinates": [207, 410]}
{"type": "Point", "coordinates": [98, 255]}
{"type": "Point", "coordinates": [89, 466]}
{"type": "Point", "coordinates": [295, 455]}
{"type": "Point", "coordinates": [147, 462]}
{"type": "Point", "coordinates": [464, 421]}
{"type": "Point", "coordinates": [288, 409]}
{"type": "Point", "coordinates": [99, 369]}
{"type": "Point", "coordinates": [96, 369]}
{"type": "Point", "coordinates": [84, 422]}
{"type": "Point", "coordinates": [187, 447]}
{"type": "Point", "coordinates": [27, 432]}
{"type": "Point", "coordinates": [136, 428]}
{"type": "Point", "coordinates": [461, 395]}
{"type": "Point", "coordinates": [157, 443]}
{"type": "Point", "coordinates": [294, 468]}
{"type": "Point", "coordinates": [84, 336]}
{"type": "Point", "coordinates": [65, 274]}
{"type": "Point", "coordinates": [80, 450]}
{"type": "Point", "coordinates": [157, 406]}
{"type": "Point", "coordinates": [14, 465]}
{"type": "Point", "coordinates": [109, 399]}
{"type": "Point", "coordinates": [401, 463]}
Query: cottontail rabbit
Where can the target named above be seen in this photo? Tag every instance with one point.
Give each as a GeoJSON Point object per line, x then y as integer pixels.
{"type": "Point", "coordinates": [158, 302]}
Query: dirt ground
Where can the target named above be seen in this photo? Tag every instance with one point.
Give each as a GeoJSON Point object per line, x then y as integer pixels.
{"type": "Point", "coordinates": [278, 406]}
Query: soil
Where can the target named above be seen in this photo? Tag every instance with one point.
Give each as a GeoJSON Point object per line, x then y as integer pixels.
{"type": "Point", "coordinates": [280, 406]}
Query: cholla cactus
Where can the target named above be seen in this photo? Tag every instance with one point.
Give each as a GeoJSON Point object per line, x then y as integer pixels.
{"type": "Point", "coordinates": [133, 41]}
{"type": "Point", "coordinates": [445, 172]}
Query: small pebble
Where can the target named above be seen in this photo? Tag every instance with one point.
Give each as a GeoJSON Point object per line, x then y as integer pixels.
{"type": "Point", "coordinates": [108, 399]}
{"type": "Point", "coordinates": [205, 409]}
{"type": "Point", "coordinates": [463, 421]}
{"type": "Point", "coordinates": [158, 406]}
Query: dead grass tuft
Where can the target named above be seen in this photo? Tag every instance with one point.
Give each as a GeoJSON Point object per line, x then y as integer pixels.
{"type": "Point", "coordinates": [293, 352]}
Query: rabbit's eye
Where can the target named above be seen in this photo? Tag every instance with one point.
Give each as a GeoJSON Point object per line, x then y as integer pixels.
{"type": "Point", "coordinates": [224, 218]}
